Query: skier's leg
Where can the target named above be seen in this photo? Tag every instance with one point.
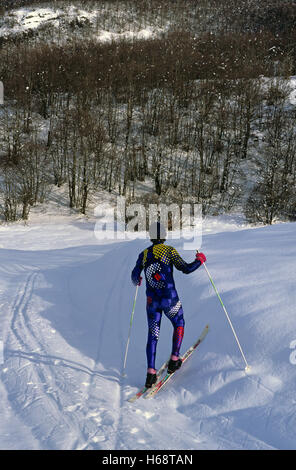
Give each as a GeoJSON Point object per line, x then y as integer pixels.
{"type": "Point", "coordinates": [175, 314]}
{"type": "Point", "coordinates": [154, 321]}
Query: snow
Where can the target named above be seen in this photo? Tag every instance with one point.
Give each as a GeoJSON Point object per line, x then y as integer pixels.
{"type": "Point", "coordinates": [108, 36]}
{"type": "Point", "coordinates": [65, 305]}
{"type": "Point", "coordinates": [292, 95]}
{"type": "Point", "coordinates": [31, 18]}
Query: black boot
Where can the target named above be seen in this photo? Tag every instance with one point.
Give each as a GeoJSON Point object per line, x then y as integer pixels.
{"type": "Point", "coordinates": [174, 365]}
{"type": "Point", "coordinates": [150, 380]}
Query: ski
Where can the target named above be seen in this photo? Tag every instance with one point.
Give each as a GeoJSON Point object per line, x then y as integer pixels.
{"type": "Point", "coordinates": [158, 386]}
{"type": "Point", "coordinates": [144, 389]}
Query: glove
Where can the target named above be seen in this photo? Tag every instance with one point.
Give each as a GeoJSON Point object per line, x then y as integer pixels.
{"type": "Point", "coordinates": [140, 281]}
{"type": "Point", "coordinates": [201, 257]}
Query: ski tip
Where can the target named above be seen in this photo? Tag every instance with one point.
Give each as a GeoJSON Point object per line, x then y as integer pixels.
{"type": "Point", "coordinates": [132, 400]}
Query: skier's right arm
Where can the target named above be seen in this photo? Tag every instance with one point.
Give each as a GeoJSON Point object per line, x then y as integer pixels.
{"type": "Point", "coordinates": [181, 265]}
{"type": "Point", "coordinates": [136, 272]}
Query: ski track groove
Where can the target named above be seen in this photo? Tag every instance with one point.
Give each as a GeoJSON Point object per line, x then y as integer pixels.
{"type": "Point", "coordinates": [23, 334]}
{"type": "Point", "coordinates": [114, 428]}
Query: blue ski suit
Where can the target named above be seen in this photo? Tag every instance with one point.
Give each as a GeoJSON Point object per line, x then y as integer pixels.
{"type": "Point", "coordinates": [158, 261]}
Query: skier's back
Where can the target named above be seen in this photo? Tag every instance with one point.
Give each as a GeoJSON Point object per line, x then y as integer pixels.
{"type": "Point", "coordinates": [158, 261]}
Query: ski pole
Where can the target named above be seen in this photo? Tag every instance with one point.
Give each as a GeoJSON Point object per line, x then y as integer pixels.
{"type": "Point", "coordinates": [247, 368]}
{"type": "Point", "coordinates": [129, 333]}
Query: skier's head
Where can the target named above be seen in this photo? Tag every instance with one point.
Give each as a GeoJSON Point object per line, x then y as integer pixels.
{"type": "Point", "coordinates": [157, 232]}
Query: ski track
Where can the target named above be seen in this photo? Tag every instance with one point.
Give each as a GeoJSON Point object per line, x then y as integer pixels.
{"type": "Point", "coordinates": [111, 426]}
{"type": "Point", "coordinates": [25, 343]}
{"type": "Point", "coordinates": [28, 363]}
{"type": "Point", "coordinates": [21, 336]}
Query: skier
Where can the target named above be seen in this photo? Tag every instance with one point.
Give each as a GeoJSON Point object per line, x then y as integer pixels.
{"type": "Point", "coordinates": [157, 261]}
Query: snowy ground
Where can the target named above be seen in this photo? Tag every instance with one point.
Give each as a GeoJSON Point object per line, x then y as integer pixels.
{"type": "Point", "coordinates": [65, 304]}
{"type": "Point", "coordinates": [106, 23]}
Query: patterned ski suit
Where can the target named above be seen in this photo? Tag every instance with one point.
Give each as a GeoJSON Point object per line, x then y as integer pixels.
{"type": "Point", "coordinates": [158, 261]}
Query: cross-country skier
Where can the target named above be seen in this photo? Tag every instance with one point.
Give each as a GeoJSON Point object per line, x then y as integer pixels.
{"type": "Point", "coordinates": [158, 261]}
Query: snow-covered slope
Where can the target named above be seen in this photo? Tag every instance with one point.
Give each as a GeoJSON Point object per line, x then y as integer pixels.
{"type": "Point", "coordinates": [65, 304]}
{"type": "Point", "coordinates": [123, 25]}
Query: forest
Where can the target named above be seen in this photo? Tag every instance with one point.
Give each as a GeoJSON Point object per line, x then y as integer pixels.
{"type": "Point", "coordinates": [198, 108]}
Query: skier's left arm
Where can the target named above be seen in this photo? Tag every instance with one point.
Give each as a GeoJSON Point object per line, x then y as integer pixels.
{"type": "Point", "coordinates": [187, 268]}
{"type": "Point", "coordinates": [136, 272]}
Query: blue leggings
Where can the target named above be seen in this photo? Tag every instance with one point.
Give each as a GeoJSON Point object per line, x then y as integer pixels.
{"type": "Point", "coordinates": [172, 308]}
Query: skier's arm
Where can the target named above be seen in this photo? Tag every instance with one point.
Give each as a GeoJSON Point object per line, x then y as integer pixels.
{"type": "Point", "coordinates": [181, 265]}
{"type": "Point", "coordinates": [136, 272]}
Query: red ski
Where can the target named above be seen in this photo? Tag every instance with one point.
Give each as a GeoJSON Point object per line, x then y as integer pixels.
{"type": "Point", "coordinates": [158, 386]}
